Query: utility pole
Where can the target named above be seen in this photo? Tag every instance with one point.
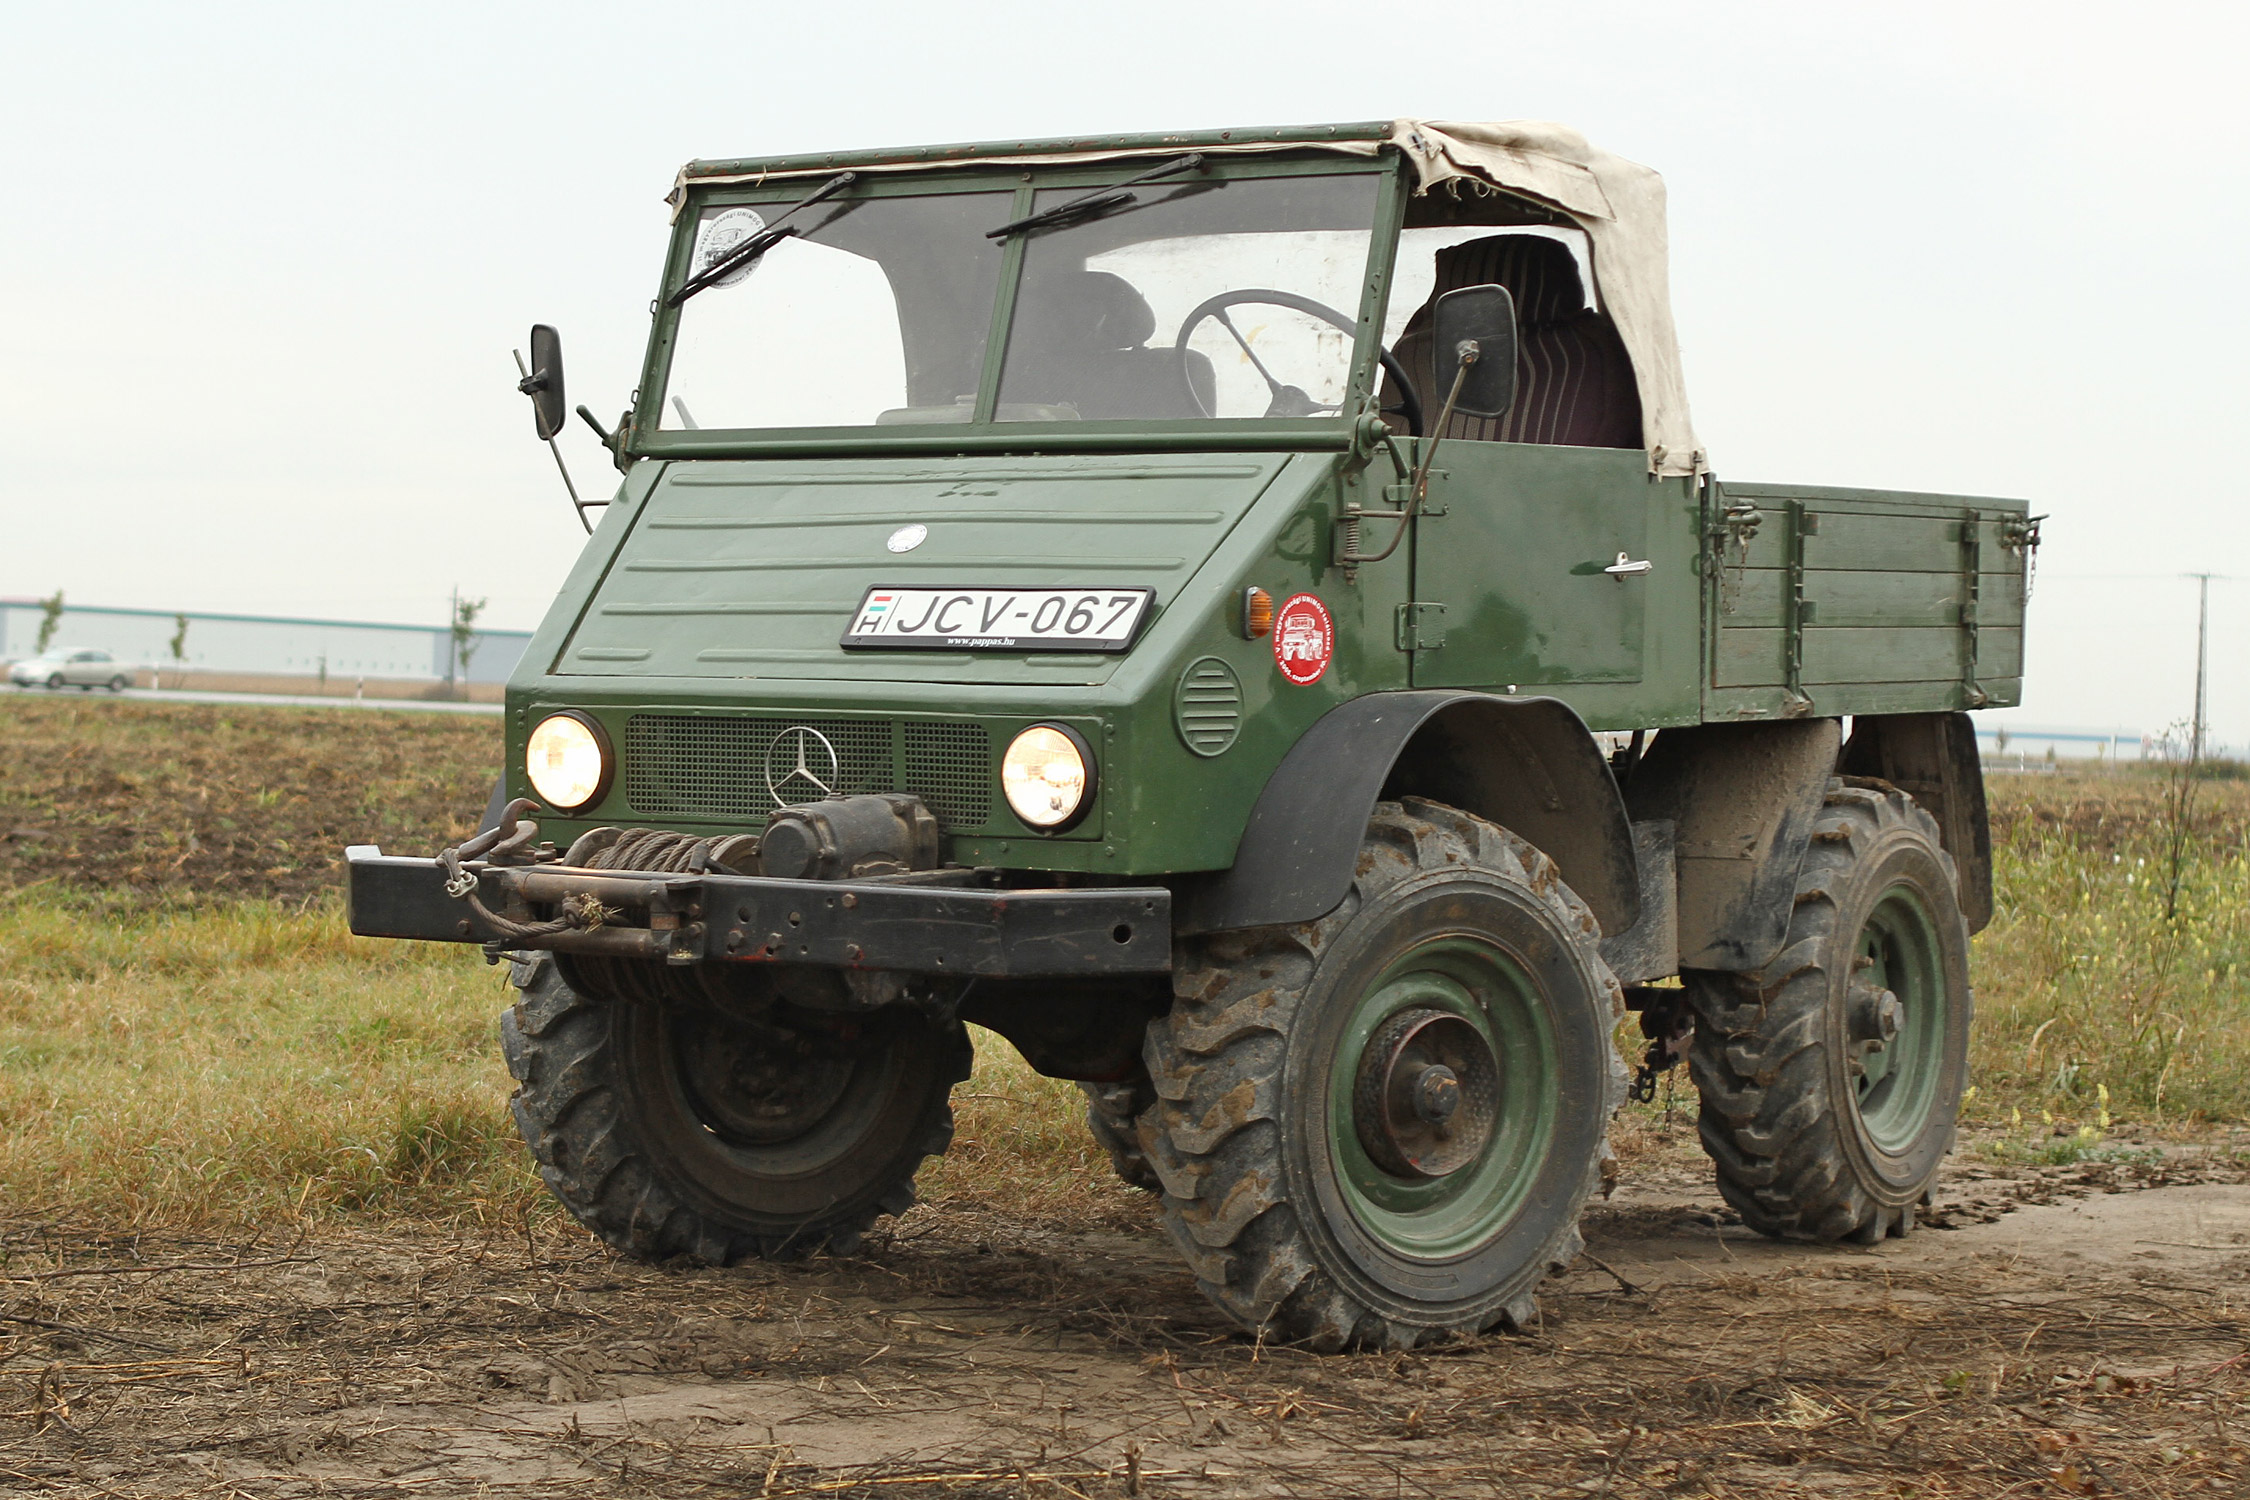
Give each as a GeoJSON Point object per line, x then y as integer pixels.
{"type": "Point", "coordinates": [2202, 663]}
{"type": "Point", "coordinates": [453, 653]}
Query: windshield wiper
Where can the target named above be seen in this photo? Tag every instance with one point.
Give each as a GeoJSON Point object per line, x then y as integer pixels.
{"type": "Point", "coordinates": [759, 243]}
{"type": "Point", "coordinates": [1099, 203]}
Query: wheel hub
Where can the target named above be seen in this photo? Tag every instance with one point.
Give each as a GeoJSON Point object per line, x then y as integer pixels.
{"type": "Point", "coordinates": [1426, 1094]}
{"type": "Point", "coordinates": [1876, 1014]}
{"type": "Point", "coordinates": [1437, 1094]}
{"type": "Point", "coordinates": [753, 1089]}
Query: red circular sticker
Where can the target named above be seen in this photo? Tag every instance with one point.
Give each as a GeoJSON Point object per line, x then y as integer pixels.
{"type": "Point", "coordinates": [1304, 638]}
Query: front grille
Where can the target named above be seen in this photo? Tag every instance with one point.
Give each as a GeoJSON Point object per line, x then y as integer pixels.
{"type": "Point", "coordinates": [948, 766]}
{"type": "Point", "coordinates": [680, 765]}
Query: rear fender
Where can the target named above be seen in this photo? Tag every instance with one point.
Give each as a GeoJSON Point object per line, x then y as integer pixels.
{"type": "Point", "coordinates": [1933, 759]}
{"type": "Point", "coordinates": [1527, 764]}
{"type": "Point", "coordinates": [1742, 799]}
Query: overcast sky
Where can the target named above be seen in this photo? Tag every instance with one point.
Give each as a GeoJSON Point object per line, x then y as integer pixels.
{"type": "Point", "coordinates": [263, 264]}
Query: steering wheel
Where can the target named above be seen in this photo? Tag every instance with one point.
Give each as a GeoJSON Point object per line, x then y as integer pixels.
{"type": "Point", "coordinates": [1287, 400]}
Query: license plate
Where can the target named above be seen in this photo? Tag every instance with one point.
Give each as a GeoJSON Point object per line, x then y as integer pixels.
{"type": "Point", "coordinates": [998, 619]}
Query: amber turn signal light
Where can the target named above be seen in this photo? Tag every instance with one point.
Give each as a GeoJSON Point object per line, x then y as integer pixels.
{"type": "Point", "coordinates": [1257, 613]}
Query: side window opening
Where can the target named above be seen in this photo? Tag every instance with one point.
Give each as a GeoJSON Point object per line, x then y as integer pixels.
{"type": "Point", "coordinates": [1574, 380]}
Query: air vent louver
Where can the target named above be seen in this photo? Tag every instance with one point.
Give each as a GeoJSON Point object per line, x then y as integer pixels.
{"type": "Point", "coordinates": [1207, 706]}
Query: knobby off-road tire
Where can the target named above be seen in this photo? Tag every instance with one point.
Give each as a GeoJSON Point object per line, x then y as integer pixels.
{"type": "Point", "coordinates": [1111, 1112]}
{"type": "Point", "coordinates": [1819, 1129]}
{"type": "Point", "coordinates": [673, 1130]}
{"type": "Point", "coordinates": [1308, 1195]}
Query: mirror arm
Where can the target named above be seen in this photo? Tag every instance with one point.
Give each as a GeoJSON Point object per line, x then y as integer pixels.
{"type": "Point", "coordinates": [1468, 353]}
{"type": "Point", "coordinates": [1348, 554]}
{"type": "Point", "coordinates": [613, 440]}
{"type": "Point", "coordinates": [577, 506]}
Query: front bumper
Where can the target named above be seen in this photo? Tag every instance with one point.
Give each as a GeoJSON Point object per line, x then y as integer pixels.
{"type": "Point", "coordinates": [916, 926]}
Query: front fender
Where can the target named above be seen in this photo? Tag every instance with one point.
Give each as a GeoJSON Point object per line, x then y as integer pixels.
{"type": "Point", "coordinates": [1527, 764]}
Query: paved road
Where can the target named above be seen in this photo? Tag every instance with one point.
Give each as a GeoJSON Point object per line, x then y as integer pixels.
{"type": "Point", "coordinates": [181, 695]}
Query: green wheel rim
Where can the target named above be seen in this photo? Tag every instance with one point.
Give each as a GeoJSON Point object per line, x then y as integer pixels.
{"type": "Point", "coordinates": [1453, 1215]}
{"type": "Point", "coordinates": [1898, 951]}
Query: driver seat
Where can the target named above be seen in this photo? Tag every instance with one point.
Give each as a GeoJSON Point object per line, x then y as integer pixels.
{"type": "Point", "coordinates": [1081, 340]}
{"type": "Point", "coordinates": [1574, 380]}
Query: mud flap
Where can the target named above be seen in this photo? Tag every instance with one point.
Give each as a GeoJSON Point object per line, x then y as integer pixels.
{"type": "Point", "coordinates": [1742, 798]}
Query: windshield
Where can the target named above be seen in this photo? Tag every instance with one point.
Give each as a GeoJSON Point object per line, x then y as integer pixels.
{"type": "Point", "coordinates": [1228, 298]}
{"type": "Point", "coordinates": [1205, 296]}
{"type": "Point", "coordinates": [875, 310]}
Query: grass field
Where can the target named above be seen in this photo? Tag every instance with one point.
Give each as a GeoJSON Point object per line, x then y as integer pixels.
{"type": "Point", "coordinates": [187, 1033]}
{"type": "Point", "coordinates": [2083, 983]}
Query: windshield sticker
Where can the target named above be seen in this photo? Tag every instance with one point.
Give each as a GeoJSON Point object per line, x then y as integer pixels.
{"type": "Point", "coordinates": [1304, 639]}
{"type": "Point", "coordinates": [720, 235]}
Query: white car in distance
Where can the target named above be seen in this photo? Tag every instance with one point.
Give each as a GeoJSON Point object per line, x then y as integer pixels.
{"type": "Point", "coordinates": [72, 666]}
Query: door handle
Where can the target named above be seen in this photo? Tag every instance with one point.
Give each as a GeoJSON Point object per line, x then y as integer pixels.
{"type": "Point", "coordinates": [1625, 567]}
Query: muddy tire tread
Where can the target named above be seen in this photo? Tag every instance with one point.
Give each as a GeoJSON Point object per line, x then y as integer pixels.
{"type": "Point", "coordinates": [1216, 1064]}
{"type": "Point", "coordinates": [559, 1050]}
{"type": "Point", "coordinates": [1759, 1059]}
{"type": "Point", "coordinates": [1111, 1110]}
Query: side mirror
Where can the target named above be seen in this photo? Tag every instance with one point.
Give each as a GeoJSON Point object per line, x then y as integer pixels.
{"type": "Point", "coordinates": [544, 383]}
{"type": "Point", "coordinates": [1483, 317]}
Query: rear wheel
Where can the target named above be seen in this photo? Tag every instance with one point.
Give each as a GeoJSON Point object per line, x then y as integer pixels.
{"type": "Point", "coordinates": [1380, 1127]}
{"type": "Point", "coordinates": [1830, 1080]}
{"type": "Point", "coordinates": [117, 684]}
{"type": "Point", "coordinates": [724, 1134]}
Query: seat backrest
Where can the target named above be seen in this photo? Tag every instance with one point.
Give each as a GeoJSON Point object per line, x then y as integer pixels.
{"type": "Point", "coordinates": [1574, 380]}
{"type": "Point", "coordinates": [1082, 342]}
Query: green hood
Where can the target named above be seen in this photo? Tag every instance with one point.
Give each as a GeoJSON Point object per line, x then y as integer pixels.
{"type": "Point", "coordinates": [753, 569]}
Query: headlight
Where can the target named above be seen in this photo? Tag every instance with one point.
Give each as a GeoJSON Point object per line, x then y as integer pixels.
{"type": "Point", "coordinates": [1048, 776]}
{"type": "Point", "coordinates": [567, 760]}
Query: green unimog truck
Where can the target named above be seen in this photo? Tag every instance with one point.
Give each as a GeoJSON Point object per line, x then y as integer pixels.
{"type": "Point", "coordinates": [1243, 616]}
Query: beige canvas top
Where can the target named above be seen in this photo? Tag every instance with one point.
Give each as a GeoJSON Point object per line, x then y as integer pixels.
{"type": "Point", "coordinates": [1618, 203]}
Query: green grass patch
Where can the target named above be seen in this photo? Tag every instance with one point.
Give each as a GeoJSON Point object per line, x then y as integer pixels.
{"type": "Point", "coordinates": [246, 1062]}
{"type": "Point", "coordinates": [241, 1062]}
{"type": "Point", "coordinates": [2082, 981]}
{"type": "Point", "coordinates": [2085, 1144]}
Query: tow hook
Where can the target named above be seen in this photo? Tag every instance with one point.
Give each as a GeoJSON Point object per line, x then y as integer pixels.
{"type": "Point", "coordinates": [1668, 1021]}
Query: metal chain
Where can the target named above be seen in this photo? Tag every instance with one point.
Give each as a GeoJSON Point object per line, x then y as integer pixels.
{"type": "Point", "coordinates": [1736, 526]}
{"type": "Point", "coordinates": [2022, 538]}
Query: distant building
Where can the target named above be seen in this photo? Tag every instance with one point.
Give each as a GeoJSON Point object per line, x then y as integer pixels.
{"type": "Point", "coordinates": [261, 645]}
{"type": "Point", "coordinates": [2009, 744]}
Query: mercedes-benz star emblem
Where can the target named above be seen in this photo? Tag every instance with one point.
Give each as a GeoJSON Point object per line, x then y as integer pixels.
{"type": "Point", "coordinates": [790, 760]}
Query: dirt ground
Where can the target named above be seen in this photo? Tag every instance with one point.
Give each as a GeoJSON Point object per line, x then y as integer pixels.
{"type": "Point", "coordinates": [197, 802]}
{"type": "Point", "coordinates": [2077, 1330]}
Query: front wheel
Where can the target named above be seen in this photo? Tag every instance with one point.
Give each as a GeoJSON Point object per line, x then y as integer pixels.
{"type": "Point", "coordinates": [1380, 1127]}
{"type": "Point", "coordinates": [700, 1130]}
{"type": "Point", "coordinates": [1830, 1080]}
